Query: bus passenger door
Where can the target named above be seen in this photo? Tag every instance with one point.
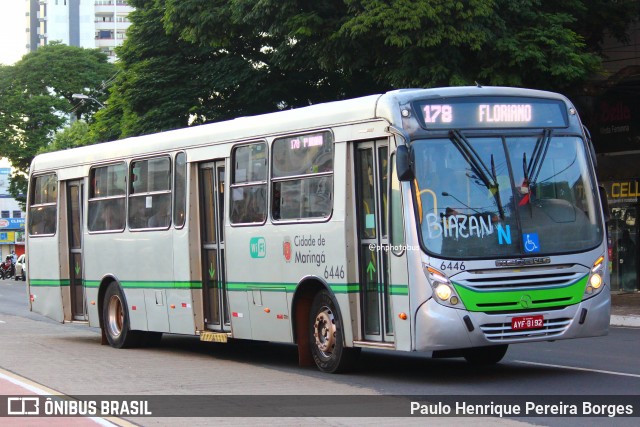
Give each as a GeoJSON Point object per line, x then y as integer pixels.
{"type": "Point", "coordinates": [214, 284]}
{"type": "Point", "coordinates": [371, 174]}
{"type": "Point", "coordinates": [74, 227]}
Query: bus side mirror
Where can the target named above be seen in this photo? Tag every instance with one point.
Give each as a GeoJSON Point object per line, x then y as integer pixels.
{"type": "Point", "coordinates": [605, 204]}
{"type": "Point", "coordinates": [403, 163]}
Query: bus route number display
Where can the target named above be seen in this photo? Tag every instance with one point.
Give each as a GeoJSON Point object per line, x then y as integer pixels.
{"type": "Point", "coordinates": [494, 112]}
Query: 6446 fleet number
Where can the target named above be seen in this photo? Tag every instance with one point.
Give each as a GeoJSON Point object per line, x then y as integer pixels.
{"type": "Point", "coordinates": [336, 272]}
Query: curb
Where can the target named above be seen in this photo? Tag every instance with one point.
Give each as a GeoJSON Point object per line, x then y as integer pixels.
{"type": "Point", "coordinates": [629, 321]}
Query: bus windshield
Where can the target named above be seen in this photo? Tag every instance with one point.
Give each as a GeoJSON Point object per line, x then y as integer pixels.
{"type": "Point", "coordinates": [484, 197]}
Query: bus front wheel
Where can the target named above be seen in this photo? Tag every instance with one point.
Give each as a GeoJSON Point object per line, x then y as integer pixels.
{"type": "Point", "coordinates": [115, 319]}
{"type": "Point", "coordinates": [326, 336]}
{"type": "Point", "coordinates": [486, 355]}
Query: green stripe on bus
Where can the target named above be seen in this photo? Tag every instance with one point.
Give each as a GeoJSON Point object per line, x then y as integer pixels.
{"type": "Point", "coordinates": [399, 289]}
{"type": "Point", "coordinates": [160, 285]}
{"type": "Point", "coordinates": [48, 282]}
{"type": "Point", "coordinates": [524, 299]}
{"type": "Point", "coordinates": [338, 288]}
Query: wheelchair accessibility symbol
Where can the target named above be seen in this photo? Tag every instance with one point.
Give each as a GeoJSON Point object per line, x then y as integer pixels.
{"type": "Point", "coordinates": [531, 243]}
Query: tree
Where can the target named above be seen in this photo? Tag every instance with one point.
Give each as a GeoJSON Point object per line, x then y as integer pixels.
{"type": "Point", "coordinates": [36, 99]}
{"type": "Point", "coordinates": [167, 82]}
{"type": "Point", "coordinates": [408, 43]}
{"type": "Point", "coordinates": [190, 61]}
{"type": "Point", "coordinates": [76, 135]}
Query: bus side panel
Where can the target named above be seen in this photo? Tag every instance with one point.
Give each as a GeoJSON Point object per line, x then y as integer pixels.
{"type": "Point", "coordinates": [400, 300]}
{"type": "Point", "coordinates": [46, 285]}
{"type": "Point", "coordinates": [138, 310]}
{"type": "Point", "coordinates": [419, 289]}
{"type": "Point", "coordinates": [398, 264]}
{"type": "Point", "coordinates": [344, 209]}
{"type": "Point", "coordinates": [91, 289]}
{"type": "Point", "coordinates": [180, 299]}
{"type": "Point", "coordinates": [147, 275]}
{"type": "Point", "coordinates": [240, 316]}
{"type": "Point", "coordinates": [271, 307]}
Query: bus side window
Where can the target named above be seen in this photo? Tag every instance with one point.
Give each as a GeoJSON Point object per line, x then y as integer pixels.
{"type": "Point", "coordinates": [43, 209]}
{"type": "Point", "coordinates": [249, 185]}
{"type": "Point", "coordinates": [180, 190]}
{"type": "Point", "coordinates": [302, 177]}
{"type": "Point", "coordinates": [107, 198]}
{"type": "Point", "coordinates": [150, 193]}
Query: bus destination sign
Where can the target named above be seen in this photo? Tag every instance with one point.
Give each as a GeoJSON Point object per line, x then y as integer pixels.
{"type": "Point", "coordinates": [492, 112]}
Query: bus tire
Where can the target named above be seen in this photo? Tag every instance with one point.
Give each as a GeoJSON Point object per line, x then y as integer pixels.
{"type": "Point", "coordinates": [115, 319]}
{"type": "Point", "coordinates": [326, 336]}
{"type": "Point", "coordinates": [483, 356]}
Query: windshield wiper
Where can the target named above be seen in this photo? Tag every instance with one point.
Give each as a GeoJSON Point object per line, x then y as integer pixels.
{"type": "Point", "coordinates": [537, 158]}
{"type": "Point", "coordinates": [478, 167]}
{"type": "Point", "coordinates": [470, 155]}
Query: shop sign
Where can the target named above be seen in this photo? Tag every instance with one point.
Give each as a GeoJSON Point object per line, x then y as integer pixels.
{"type": "Point", "coordinates": [12, 223]}
{"type": "Point", "coordinates": [623, 191]}
{"type": "Point", "coordinates": [7, 237]}
{"type": "Point", "coordinates": [616, 123]}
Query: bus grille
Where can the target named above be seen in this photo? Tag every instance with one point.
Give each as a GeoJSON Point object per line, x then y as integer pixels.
{"type": "Point", "coordinates": [503, 331]}
{"type": "Point", "coordinates": [504, 280]}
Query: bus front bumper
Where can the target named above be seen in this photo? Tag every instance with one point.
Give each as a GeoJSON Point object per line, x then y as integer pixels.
{"type": "Point", "coordinates": [443, 328]}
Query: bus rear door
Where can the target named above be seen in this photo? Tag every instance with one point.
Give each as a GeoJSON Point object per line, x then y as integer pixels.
{"type": "Point", "coordinates": [216, 309]}
{"type": "Point", "coordinates": [74, 227]}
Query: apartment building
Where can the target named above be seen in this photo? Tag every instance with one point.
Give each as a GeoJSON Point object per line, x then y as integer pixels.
{"type": "Point", "coordinates": [83, 23]}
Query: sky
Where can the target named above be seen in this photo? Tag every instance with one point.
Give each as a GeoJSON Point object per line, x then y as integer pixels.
{"type": "Point", "coordinates": [13, 36]}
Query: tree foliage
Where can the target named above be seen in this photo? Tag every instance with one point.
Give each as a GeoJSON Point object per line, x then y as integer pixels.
{"type": "Point", "coordinates": [36, 99]}
{"type": "Point", "coordinates": [192, 61]}
{"type": "Point", "coordinates": [76, 135]}
{"type": "Point", "coordinates": [408, 43]}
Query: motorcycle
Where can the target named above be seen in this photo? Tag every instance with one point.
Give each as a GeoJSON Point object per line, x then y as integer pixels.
{"type": "Point", "coordinates": [7, 269]}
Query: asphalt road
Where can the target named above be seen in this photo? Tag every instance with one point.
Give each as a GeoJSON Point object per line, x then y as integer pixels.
{"type": "Point", "coordinates": [70, 359]}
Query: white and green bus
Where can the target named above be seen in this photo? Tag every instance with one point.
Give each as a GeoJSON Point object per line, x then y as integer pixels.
{"type": "Point", "coordinates": [450, 221]}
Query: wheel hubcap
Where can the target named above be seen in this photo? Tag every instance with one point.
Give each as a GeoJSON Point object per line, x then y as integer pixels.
{"type": "Point", "coordinates": [324, 331]}
{"type": "Point", "coordinates": [115, 316]}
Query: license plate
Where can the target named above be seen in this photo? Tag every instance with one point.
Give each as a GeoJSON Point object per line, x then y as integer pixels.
{"type": "Point", "coordinates": [527, 322]}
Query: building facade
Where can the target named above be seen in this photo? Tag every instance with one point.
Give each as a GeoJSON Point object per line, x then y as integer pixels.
{"type": "Point", "coordinates": [84, 23]}
{"type": "Point", "coordinates": [612, 115]}
{"type": "Point", "coordinates": [11, 219]}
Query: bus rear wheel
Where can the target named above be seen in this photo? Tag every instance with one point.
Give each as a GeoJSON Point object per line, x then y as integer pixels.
{"type": "Point", "coordinates": [483, 356]}
{"type": "Point", "coordinates": [326, 336]}
{"type": "Point", "coordinates": [115, 319]}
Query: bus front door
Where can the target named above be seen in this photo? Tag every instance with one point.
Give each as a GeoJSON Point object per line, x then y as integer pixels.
{"type": "Point", "coordinates": [371, 172]}
{"type": "Point", "coordinates": [216, 310]}
{"type": "Point", "coordinates": [74, 227]}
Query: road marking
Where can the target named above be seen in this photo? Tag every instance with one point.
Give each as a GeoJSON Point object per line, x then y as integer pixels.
{"type": "Point", "coordinates": [575, 368]}
{"type": "Point", "coordinates": [2, 321]}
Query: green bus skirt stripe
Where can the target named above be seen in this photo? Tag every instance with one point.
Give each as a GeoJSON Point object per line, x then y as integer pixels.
{"type": "Point", "coordinates": [48, 283]}
{"type": "Point", "coordinates": [338, 288]}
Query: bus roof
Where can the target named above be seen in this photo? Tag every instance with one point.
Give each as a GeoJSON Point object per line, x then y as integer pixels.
{"type": "Point", "coordinates": [288, 121]}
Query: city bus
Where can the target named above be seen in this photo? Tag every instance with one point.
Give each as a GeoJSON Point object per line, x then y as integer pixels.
{"type": "Point", "coordinates": [448, 221]}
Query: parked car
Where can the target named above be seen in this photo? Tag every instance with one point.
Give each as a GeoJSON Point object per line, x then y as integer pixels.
{"type": "Point", "coordinates": [21, 267]}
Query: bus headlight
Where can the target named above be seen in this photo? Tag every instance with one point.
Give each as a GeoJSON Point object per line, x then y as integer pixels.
{"type": "Point", "coordinates": [442, 287]}
{"type": "Point", "coordinates": [596, 280]}
{"type": "Point", "coordinates": [443, 291]}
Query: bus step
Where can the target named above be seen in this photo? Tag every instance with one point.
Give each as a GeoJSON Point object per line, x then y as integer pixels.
{"type": "Point", "coordinates": [375, 344]}
{"type": "Point", "coordinates": [209, 336]}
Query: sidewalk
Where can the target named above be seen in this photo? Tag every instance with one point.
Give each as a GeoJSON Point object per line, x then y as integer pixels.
{"type": "Point", "coordinates": [625, 309]}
